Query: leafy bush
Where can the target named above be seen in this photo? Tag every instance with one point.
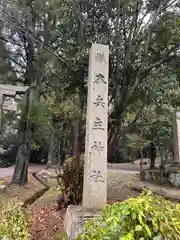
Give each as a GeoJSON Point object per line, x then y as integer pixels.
{"type": "Point", "coordinates": [143, 218]}
{"type": "Point", "coordinates": [14, 222]}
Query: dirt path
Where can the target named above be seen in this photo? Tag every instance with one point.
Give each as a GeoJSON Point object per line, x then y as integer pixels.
{"type": "Point", "coordinates": [8, 172]}
{"type": "Point", "coordinates": [121, 168]}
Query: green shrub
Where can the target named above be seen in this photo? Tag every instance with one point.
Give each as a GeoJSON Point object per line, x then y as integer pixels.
{"type": "Point", "coordinates": [142, 218]}
{"type": "Point", "coordinates": [14, 222]}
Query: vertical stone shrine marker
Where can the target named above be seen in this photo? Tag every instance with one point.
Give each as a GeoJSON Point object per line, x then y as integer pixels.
{"type": "Point", "coordinates": [95, 165]}
{"type": "Point", "coordinates": [95, 160]}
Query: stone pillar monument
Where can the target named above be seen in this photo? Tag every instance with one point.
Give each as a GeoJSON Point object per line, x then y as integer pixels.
{"type": "Point", "coordinates": [95, 162]}
{"type": "Point", "coordinates": [95, 168]}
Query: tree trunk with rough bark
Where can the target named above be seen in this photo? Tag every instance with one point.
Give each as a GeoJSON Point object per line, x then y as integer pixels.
{"type": "Point", "coordinates": [51, 157]}
{"type": "Point", "coordinates": [20, 175]}
{"type": "Point", "coordinates": [76, 145]}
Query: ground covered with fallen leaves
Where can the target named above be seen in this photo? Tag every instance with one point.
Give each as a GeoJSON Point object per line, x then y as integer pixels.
{"type": "Point", "coordinates": [47, 223]}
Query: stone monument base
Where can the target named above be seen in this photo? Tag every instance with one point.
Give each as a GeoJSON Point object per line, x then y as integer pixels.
{"type": "Point", "coordinates": [75, 218]}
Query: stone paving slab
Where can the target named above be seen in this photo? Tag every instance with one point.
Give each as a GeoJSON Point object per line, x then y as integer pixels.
{"type": "Point", "coordinates": [2, 188]}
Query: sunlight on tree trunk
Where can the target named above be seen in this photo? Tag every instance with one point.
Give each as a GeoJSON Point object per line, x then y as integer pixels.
{"type": "Point", "coordinates": [142, 158]}
{"type": "Point", "coordinates": [76, 144]}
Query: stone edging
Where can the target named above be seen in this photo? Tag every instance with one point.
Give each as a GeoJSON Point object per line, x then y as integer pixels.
{"type": "Point", "coordinates": [158, 192]}
{"type": "Point", "coordinates": [37, 194]}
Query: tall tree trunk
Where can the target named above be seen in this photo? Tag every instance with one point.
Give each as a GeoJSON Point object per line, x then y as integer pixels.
{"type": "Point", "coordinates": [63, 150]}
{"type": "Point", "coordinates": [142, 158]}
{"type": "Point", "coordinates": [51, 157]}
{"type": "Point", "coordinates": [59, 152]}
{"type": "Point", "coordinates": [22, 159]}
{"type": "Point", "coordinates": [76, 144]}
{"type": "Point", "coordinates": [61, 146]}
{"type": "Point", "coordinates": [160, 150]}
{"type": "Point", "coordinates": [1, 113]}
{"type": "Point", "coordinates": [152, 151]}
{"type": "Point", "coordinates": [112, 143]}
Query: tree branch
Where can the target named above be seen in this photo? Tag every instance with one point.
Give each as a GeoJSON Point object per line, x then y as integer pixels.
{"type": "Point", "coordinates": [166, 57]}
{"type": "Point", "coordinates": [138, 113]}
{"type": "Point", "coordinates": [17, 63]}
{"type": "Point", "coordinates": [3, 39]}
{"type": "Point", "coordinates": [143, 73]}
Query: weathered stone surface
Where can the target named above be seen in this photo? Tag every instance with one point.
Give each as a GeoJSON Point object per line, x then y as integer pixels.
{"type": "Point", "coordinates": [95, 158]}
{"type": "Point", "coordinates": [174, 178]}
{"type": "Point", "coordinates": [170, 175]}
{"type": "Point", "coordinates": [173, 173]}
{"type": "Point", "coordinates": [75, 218]}
{"type": "Point", "coordinates": [13, 88]}
{"type": "Point", "coordinates": [2, 188]}
{"type": "Point", "coordinates": [95, 165]}
{"type": "Point", "coordinates": [151, 175]}
{"type": "Point", "coordinates": [172, 167]}
{"type": "Point", "coordinates": [8, 94]}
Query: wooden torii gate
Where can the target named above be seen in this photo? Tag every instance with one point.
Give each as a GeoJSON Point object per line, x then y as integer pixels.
{"type": "Point", "coordinates": [12, 91]}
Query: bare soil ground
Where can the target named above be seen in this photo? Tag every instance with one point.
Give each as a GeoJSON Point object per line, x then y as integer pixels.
{"type": "Point", "coordinates": [119, 185]}
{"type": "Point", "coordinates": [20, 193]}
